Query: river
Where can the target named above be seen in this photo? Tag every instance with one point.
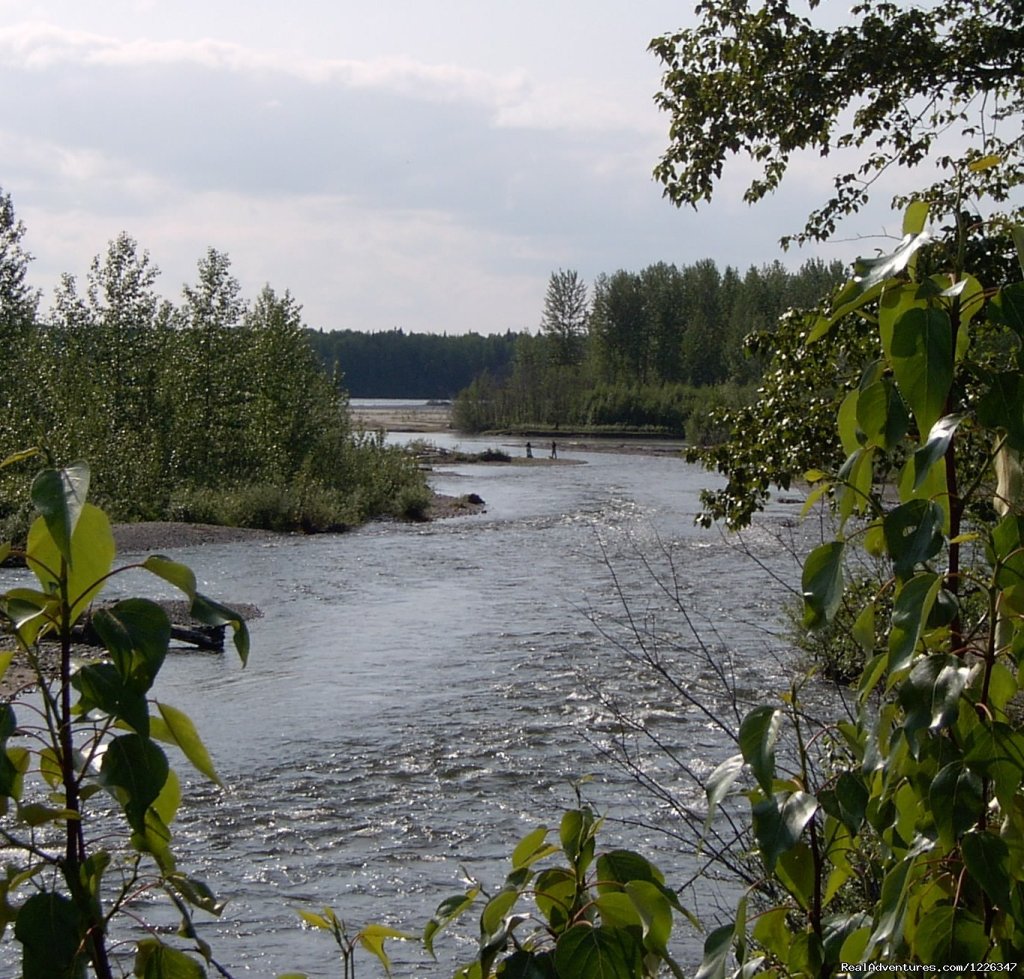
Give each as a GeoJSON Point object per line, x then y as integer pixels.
{"type": "Point", "coordinates": [419, 697]}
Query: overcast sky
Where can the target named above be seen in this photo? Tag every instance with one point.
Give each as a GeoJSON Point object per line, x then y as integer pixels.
{"type": "Point", "coordinates": [423, 164]}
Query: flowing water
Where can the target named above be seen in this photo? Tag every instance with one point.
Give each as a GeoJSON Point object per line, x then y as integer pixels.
{"type": "Point", "coordinates": [420, 697]}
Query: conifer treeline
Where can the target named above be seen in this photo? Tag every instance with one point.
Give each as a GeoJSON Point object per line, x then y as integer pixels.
{"type": "Point", "coordinates": [649, 351]}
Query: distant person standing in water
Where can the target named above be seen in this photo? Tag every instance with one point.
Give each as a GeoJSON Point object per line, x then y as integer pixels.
{"type": "Point", "coordinates": [554, 450]}
{"type": "Point", "coordinates": [529, 451]}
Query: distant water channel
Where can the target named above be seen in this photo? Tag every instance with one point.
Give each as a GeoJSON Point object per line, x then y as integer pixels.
{"type": "Point", "coordinates": [420, 697]}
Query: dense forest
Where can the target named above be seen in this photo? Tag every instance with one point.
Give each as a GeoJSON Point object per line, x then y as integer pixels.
{"type": "Point", "coordinates": [650, 351]}
{"type": "Point", "coordinates": [395, 364]}
{"type": "Point", "coordinates": [214, 410]}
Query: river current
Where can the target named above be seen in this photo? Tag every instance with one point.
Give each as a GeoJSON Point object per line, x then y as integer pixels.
{"type": "Point", "coordinates": [419, 697]}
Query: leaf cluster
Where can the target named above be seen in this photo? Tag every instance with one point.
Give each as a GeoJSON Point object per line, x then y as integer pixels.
{"type": "Point", "coordinates": [768, 82]}
{"type": "Point", "coordinates": [99, 733]}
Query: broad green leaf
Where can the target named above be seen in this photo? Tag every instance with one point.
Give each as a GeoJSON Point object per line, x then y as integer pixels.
{"type": "Point", "coordinates": [871, 272]}
{"type": "Point", "coordinates": [957, 800]}
{"type": "Point", "coordinates": [555, 891]}
{"type": "Point", "coordinates": [822, 584]}
{"type": "Point", "coordinates": [996, 751]}
{"type": "Point", "coordinates": [496, 909]}
{"type": "Point", "coordinates": [855, 481]}
{"type": "Point", "coordinates": [922, 360]}
{"type": "Point", "coordinates": [759, 732]}
{"type": "Point", "coordinates": [447, 911]}
{"type": "Point", "coordinates": [795, 871]}
{"type": "Point", "coordinates": [178, 729]}
{"type": "Point", "coordinates": [896, 300]}
{"type": "Point", "coordinates": [576, 834]}
{"type": "Point", "coordinates": [179, 575]}
{"type": "Point", "coordinates": [913, 535]}
{"type": "Point", "coordinates": [952, 936]}
{"type": "Point", "coordinates": [847, 800]}
{"type": "Point", "coordinates": [92, 545]}
{"type": "Point", "coordinates": [135, 769]}
{"type": "Point", "coordinates": [909, 617]}
{"type": "Point", "coordinates": [533, 847]}
{"type": "Point", "coordinates": [372, 938]}
{"type": "Point", "coordinates": [655, 913]}
{"type": "Point", "coordinates": [623, 866]}
{"type": "Point", "coordinates": [850, 434]}
{"type": "Point", "coordinates": [1001, 407]}
{"type": "Point", "coordinates": [881, 414]}
{"type": "Point", "coordinates": [587, 953]}
{"type": "Point", "coordinates": [49, 929]}
{"type": "Point", "coordinates": [103, 688]}
{"type": "Point", "coordinates": [59, 495]}
{"type": "Point", "coordinates": [939, 439]}
{"type": "Point", "coordinates": [930, 696]}
{"type": "Point", "coordinates": [717, 946]}
{"type": "Point", "coordinates": [719, 782]}
{"type": "Point", "coordinates": [197, 893]}
{"type": "Point", "coordinates": [863, 629]}
{"type": "Point", "coordinates": [778, 823]}
{"type": "Point", "coordinates": [137, 633]}
{"type": "Point", "coordinates": [915, 217]}
{"type": "Point", "coordinates": [154, 960]}
{"type": "Point", "coordinates": [523, 964]}
{"type": "Point", "coordinates": [987, 858]}
{"type": "Point", "coordinates": [1007, 307]}
{"type": "Point", "coordinates": [209, 612]}
{"type": "Point", "coordinates": [617, 910]}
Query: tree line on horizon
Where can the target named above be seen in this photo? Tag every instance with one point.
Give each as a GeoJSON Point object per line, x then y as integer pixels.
{"type": "Point", "coordinates": [649, 351]}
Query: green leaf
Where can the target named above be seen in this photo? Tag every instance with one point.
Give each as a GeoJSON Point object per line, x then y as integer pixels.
{"type": "Point", "coordinates": [930, 696]}
{"type": "Point", "coordinates": [59, 495]}
{"type": "Point", "coordinates": [209, 612]}
{"type": "Point", "coordinates": [179, 575]}
{"type": "Point", "coordinates": [533, 847]}
{"type": "Point", "coordinates": [447, 911]}
{"type": "Point", "coordinates": [555, 891]}
{"type": "Point", "coordinates": [996, 751]}
{"type": "Point", "coordinates": [1017, 231]}
{"type": "Point", "coordinates": [913, 535]}
{"type": "Point", "coordinates": [822, 584]}
{"type": "Point", "coordinates": [135, 769]}
{"type": "Point", "coordinates": [951, 936]}
{"type": "Point", "coordinates": [795, 871]}
{"type": "Point", "coordinates": [717, 948]}
{"type": "Point", "coordinates": [49, 927]}
{"type": "Point", "coordinates": [719, 782]}
{"type": "Point", "coordinates": [915, 217]}
{"type": "Point", "coordinates": [779, 821]}
{"type": "Point", "coordinates": [909, 616]}
{"type": "Point", "coordinates": [1007, 307]}
{"type": "Point", "coordinates": [881, 414]}
{"type": "Point", "coordinates": [576, 834]}
{"type": "Point", "coordinates": [496, 909]}
{"type": "Point", "coordinates": [759, 732]}
{"type": "Point", "coordinates": [154, 960]}
{"type": "Point", "coordinates": [847, 801]}
{"type": "Point", "coordinates": [372, 938]}
{"type": "Point", "coordinates": [92, 546]}
{"type": "Point", "coordinates": [922, 360]}
{"type": "Point", "coordinates": [587, 953]}
{"type": "Point", "coordinates": [987, 858]}
{"type": "Point", "coordinates": [871, 272]}
{"type": "Point", "coordinates": [623, 866]}
{"type": "Point", "coordinates": [137, 633]}
{"type": "Point", "coordinates": [655, 914]}
{"type": "Point", "coordinates": [957, 800]}
{"type": "Point", "coordinates": [1001, 407]}
{"type": "Point", "coordinates": [178, 729]}
{"type": "Point", "coordinates": [939, 439]}
{"type": "Point", "coordinates": [103, 688]}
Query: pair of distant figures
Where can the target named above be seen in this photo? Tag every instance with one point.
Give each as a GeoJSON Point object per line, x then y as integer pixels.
{"type": "Point", "coordinates": [554, 450]}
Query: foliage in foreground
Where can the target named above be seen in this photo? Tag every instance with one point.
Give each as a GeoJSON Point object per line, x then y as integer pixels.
{"type": "Point", "coordinates": [921, 814]}
{"type": "Point", "coordinates": [590, 914]}
{"type": "Point", "coordinates": [72, 871]}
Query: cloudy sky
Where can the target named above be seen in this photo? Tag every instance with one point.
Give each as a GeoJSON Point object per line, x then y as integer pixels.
{"type": "Point", "coordinates": [423, 164]}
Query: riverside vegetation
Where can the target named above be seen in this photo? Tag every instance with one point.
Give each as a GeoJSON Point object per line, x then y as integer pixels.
{"type": "Point", "coordinates": [212, 411]}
